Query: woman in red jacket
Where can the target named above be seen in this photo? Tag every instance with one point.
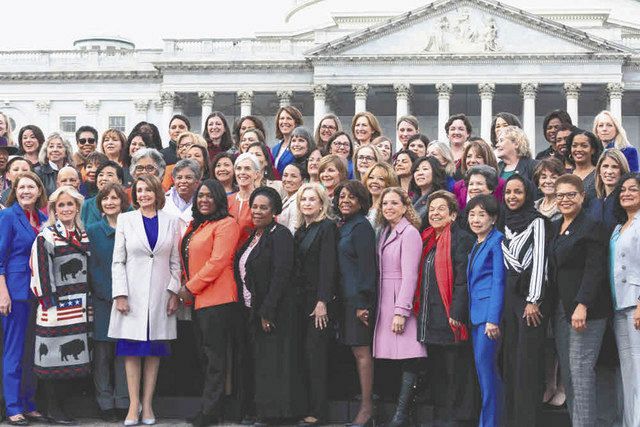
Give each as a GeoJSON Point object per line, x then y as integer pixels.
{"type": "Point", "coordinates": [207, 250]}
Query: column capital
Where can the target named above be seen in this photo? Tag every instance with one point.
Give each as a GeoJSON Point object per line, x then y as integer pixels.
{"type": "Point", "coordinates": [403, 90]}
{"type": "Point", "coordinates": [615, 90]}
{"type": "Point", "coordinates": [284, 96]}
{"type": "Point", "coordinates": [528, 90]}
{"type": "Point", "coordinates": [319, 91]}
{"type": "Point", "coordinates": [572, 89]}
{"type": "Point", "coordinates": [141, 105]}
{"type": "Point", "coordinates": [444, 90]}
{"type": "Point", "coordinates": [92, 105]}
{"type": "Point", "coordinates": [360, 90]}
{"type": "Point", "coordinates": [486, 90]}
{"type": "Point", "coordinates": [245, 96]}
{"type": "Point", "coordinates": [206, 98]}
{"type": "Point", "coordinates": [43, 105]}
{"type": "Point", "coordinates": [157, 104]}
{"type": "Point", "coordinates": [167, 98]}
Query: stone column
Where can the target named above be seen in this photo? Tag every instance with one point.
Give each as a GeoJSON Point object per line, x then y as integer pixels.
{"type": "Point", "coordinates": [528, 92]}
{"type": "Point", "coordinates": [402, 99]}
{"type": "Point", "coordinates": [284, 97]}
{"type": "Point", "coordinates": [141, 106]}
{"type": "Point", "coordinates": [167, 99]}
{"type": "Point", "coordinates": [615, 91]}
{"type": "Point", "coordinates": [206, 101]}
{"type": "Point", "coordinates": [319, 103]}
{"type": "Point", "coordinates": [43, 106]}
{"type": "Point", "coordinates": [360, 91]}
{"type": "Point", "coordinates": [486, 91]}
{"type": "Point", "coordinates": [572, 93]}
{"type": "Point", "coordinates": [444, 94]}
{"type": "Point", "coordinates": [246, 98]}
{"type": "Point", "coordinates": [93, 107]}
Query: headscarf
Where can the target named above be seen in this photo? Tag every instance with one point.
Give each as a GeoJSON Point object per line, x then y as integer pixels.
{"type": "Point", "coordinates": [518, 220]}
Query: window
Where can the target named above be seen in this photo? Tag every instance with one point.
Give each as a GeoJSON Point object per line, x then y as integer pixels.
{"type": "Point", "coordinates": [68, 124]}
{"type": "Point", "coordinates": [117, 122]}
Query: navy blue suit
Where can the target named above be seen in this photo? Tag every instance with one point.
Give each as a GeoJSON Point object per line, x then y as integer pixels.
{"type": "Point", "coordinates": [16, 238]}
{"type": "Point", "coordinates": [486, 280]}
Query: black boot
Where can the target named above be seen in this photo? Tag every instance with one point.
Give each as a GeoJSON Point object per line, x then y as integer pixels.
{"type": "Point", "coordinates": [405, 399]}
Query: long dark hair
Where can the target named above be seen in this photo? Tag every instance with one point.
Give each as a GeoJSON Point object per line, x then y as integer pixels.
{"type": "Point", "coordinates": [438, 176]}
{"type": "Point", "coordinates": [156, 140]}
{"type": "Point", "coordinates": [221, 207]}
{"type": "Point", "coordinates": [146, 138]}
{"type": "Point", "coordinates": [225, 141]}
{"type": "Point", "coordinates": [618, 211]}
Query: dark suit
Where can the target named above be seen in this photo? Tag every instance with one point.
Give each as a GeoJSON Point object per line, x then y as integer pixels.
{"type": "Point", "coordinates": [16, 238]}
{"type": "Point", "coordinates": [316, 251]}
{"type": "Point", "coordinates": [525, 167]}
{"type": "Point", "coordinates": [48, 176]}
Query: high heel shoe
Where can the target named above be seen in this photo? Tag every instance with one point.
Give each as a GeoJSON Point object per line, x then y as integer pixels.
{"type": "Point", "coordinates": [148, 421]}
{"type": "Point", "coordinates": [129, 423]}
{"type": "Point", "coordinates": [369, 423]}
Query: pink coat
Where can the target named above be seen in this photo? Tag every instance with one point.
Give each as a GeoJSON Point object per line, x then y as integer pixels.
{"type": "Point", "coordinates": [398, 260]}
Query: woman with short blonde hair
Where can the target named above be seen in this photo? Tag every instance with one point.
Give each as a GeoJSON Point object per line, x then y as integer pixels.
{"type": "Point", "coordinates": [610, 131]}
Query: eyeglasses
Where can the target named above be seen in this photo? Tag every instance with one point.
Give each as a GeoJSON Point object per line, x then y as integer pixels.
{"type": "Point", "coordinates": [340, 144]}
{"type": "Point", "coordinates": [366, 158]}
{"type": "Point", "coordinates": [83, 141]}
{"type": "Point", "coordinates": [569, 196]}
{"type": "Point", "coordinates": [147, 168]}
{"type": "Point", "coordinates": [189, 178]}
{"type": "Point", "coordinates": [328, 127]}
{"type": "Point", "coordinates": [184, 147]}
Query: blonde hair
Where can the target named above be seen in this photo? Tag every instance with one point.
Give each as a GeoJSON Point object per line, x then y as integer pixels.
{"type": "Point", "coordinates": [517, 136]}
{"type": "Point", "coordinates": [619, 158]}
{"type": "Point", "coordinates": [410, 214]}
{"type": "Point", "coordinates": [376, 154]}
{"type": "Point", "coordinates": [197, 139]}
{"type": "Point", "coordinates": [621, 140]}
{"type": "Point", "coordinates": [337, 161]}
{"type": "Point", "coordinates": [446, 152]}
{"type": "Point", "coordinates": [9, 134]}
{"type": "Point", "coordinates": [77, 198]}
{"type": "Point", "coordinates": [325, 209]}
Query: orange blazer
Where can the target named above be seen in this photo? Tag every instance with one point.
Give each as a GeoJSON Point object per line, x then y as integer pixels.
{"type": "Point", "coordinates": [211, 252]}
{"type": "Point", "coordinates": [242, 215]}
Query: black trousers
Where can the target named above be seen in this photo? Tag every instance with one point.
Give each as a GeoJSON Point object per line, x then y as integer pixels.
{"type": "Point", "coordinates": [523, 364]}
{"type": "Point", "coordinates": [216, 325]}
{"type": "Point", "coordinates": [244, 369]}
{"type": "Point", "coordinates": [316, 360]}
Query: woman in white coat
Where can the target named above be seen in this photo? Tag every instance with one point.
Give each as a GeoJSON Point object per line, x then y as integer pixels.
{"type": "Point", "coordinates": [146, 272]}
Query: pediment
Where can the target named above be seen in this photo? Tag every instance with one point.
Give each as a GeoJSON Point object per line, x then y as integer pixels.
{"type": "Point", "coordinates": [467, 27]}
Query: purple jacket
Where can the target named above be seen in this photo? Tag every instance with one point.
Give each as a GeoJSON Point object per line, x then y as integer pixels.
{"type": "Point", "coordinates": [460, 190]}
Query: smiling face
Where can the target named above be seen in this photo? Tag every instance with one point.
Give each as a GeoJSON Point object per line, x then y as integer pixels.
{"type": "Point", "coordinates": [606, 129]}
{"type": "Point", "coordinates": [261, 211]}
{"type": "Point", "coordinates": [405, 131]}
{"type": "Point", "coordinates": [183, 146]}
{"type": "Point", "coordinates": [246, 124]}
{"type": "Point", "coordinates": [195, 153]}
{"type": "Point", "coordinates": [68, 176]}
{"type": "Point", "coordinates": [223, 170]}
{"type": "Point", "coordinates": [480, 221]}
{"type": "Point", "coordinates": [4, 158]}
{"type": "Point", "coordinates": [458, 133]}
{"type": "Point", "coordinates": [341, 147]}
{"type": "Point", "coordinates": [56, 152]}
{"type": "Point", "coordinates": [363, 131]}
{"type": "Point", "coordinates": [30, 144]}
{"type": "Point", "coordinates": [257, 151]}
{"type": "Point", "coordinates": [384, 147]}
{"type": "Point", "coordinates": [561, 141]}
{"type": "Point", "coordinates": [215, 128]}
{"type": "Point", "coordinates": [286, 123]}
{"type": "Point", "coordinates": [418, 147]}
{"type": "Point", "coordinates": [402, 165]}
{"type": "Point", "coordinates": [291, 179]}
{"type": "Point", "coordinates": [610, 172]}
{"type": "Point", "coordinates": [630, 196]}
{"type": "Point", "coordinates": [581, 150]}
{"type": "Point", "coordinates": [107, 174]}
{"type": "Point", "coordinates": [87, 143]}
{"type": "Point", "coordinates": [27, 193]}
{"type": "Point", "coordinates": [310, 204]}
{"type": "Point", "coordinates": [568, 200]}
{"type": "Point", "coordinates": [299, 146]}
{"type": "Point", "coordinates": [514, 194]}
{"type": "Point", "coordinates": [90, 170]}
{"type": "Point", "coordinates": [245, 174]}
{"type": "Point", "coordinates": [552, 129]}
{"type": "Point", "coordinates": [477, 185]}
{"type": "Point", "coordinates": [176, 127]}
{"type": "Point", "coordinates": [145, 166]}
{"type": "Point", "coordinates": [439, 214]}
{"type": "Point", "coordinates": [365, 159]}
{"type": "Point", "coordinates": [376, 182]}
{"type": "Point", "coordinates": [186, 182]}
{"type": "Point", "coordinates": [111, 146]}
{"type": "Point", "coordinates": [111, 204]}
{"type": "Point", "coordinates": [313, 162]}
{"type": "Point", "coordinates": [146, 196]}
{"type": "Point", "coordinates": [327, 128]}
{"type": "Point", "coordinates": [16, 168]}
{"type": "Point", "coordinates": [392, 207]}
{"type": "Point", "coordinates": [547, 182]}
{"type": "Point", "coordinates": [3, 126]}
{"type": "Point", "coordinates": [500, 123]}
{"type": "Point", "coordinates": [506, 148]}
{"type": "Point", "coordinates": [246, 140]}
{"type": "Point", "coordinates": [66, 209]}
{"type": "Point", "coordinates": [136, 143]}
{"type": "Point", "coordinates": [423, 175]}
{"type": "Point", "coordinates": [330, 177]}
{"type": "Point", "coordinates": [435, 152]}
{"type": "Point", "coordinates": [473, 158]}
{"type": "Point", "coordinates": [204, 201]}
{"type": "Point", "coordinates": [348, 203]}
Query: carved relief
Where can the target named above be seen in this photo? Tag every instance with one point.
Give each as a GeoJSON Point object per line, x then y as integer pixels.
{"type": "Point", "coordinates": [460, 32]}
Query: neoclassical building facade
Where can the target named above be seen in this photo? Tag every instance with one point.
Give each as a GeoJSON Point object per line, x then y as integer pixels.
{"type": "Point", "coordinates": [430, 59]}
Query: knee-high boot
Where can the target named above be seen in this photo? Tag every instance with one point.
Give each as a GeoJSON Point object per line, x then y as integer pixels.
{"type": "Point", "coordinates": [405, 399]}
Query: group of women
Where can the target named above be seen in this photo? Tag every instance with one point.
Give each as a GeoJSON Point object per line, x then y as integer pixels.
{"type": "Point", "coordinates": [462, 259]}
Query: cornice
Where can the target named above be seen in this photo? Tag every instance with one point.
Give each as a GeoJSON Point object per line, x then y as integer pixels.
{"type": "Point", "coordinates": [80, 75]}
{"type": "Point", "coordinates": [234, 66]}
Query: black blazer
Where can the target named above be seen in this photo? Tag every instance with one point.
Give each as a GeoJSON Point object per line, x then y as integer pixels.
{"type": "Point", "coordinates": [461, 244]}
{"type": "Point", "coordinates": [48, 176]}
{"type": "Point", "coordinates": [317, 259]}
{"type": "Point", "coordinates": [269, 271]}
{"type": "Point", "coordinates": [525, 167]}
{"type": "Point", "coordinates": [578, 266]}
{"type": "Point", "coordinates": [357, 263]}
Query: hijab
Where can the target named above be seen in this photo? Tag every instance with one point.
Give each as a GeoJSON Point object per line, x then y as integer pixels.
{"type": "Point", "coordinates": [518, 220]}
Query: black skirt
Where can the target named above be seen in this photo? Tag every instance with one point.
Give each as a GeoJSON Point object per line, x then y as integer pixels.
{"type": "Point", "coordinates": [353, 332]}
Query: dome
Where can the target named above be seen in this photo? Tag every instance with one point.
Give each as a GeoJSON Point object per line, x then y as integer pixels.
{"type": "Point", "coordinates": [104, 43]}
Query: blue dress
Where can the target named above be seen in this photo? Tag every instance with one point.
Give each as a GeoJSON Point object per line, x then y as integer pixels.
{"type": "Point", "coordinates": [145, 348]}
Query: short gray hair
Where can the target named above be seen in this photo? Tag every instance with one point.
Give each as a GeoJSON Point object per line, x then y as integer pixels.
{"type": "Point", "coordinates": [252, 157]}
{"type": "Point", "coordinates": [187, 164]}
{"type": "Point", "coordinates": [489, 173]}
{"type": "Point", "coordinates": [42, 156]}
{"type": "Point", "coordinates": [154, 155]}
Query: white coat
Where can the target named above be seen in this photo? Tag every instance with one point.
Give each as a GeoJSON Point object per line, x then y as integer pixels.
{"type": "Point", "coordinates": [170, 207]}
{"type": "Point", "coordinates": [146, 277]}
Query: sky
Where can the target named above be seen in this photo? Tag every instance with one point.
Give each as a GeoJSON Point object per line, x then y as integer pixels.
{"type": "Point", "coordinates": [56, 24]}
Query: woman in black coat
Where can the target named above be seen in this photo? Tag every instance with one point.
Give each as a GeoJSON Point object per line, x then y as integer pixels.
{"type": "Point", "coordinates": [263, 270]}
{"type": "Point", "coordinates": [357, 285]}
{"type": "Point", "coordinates": [316, 241]}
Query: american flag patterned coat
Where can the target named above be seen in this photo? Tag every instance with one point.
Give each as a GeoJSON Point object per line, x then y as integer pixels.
{"type": "Point", "coordinates": [63, 324]}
